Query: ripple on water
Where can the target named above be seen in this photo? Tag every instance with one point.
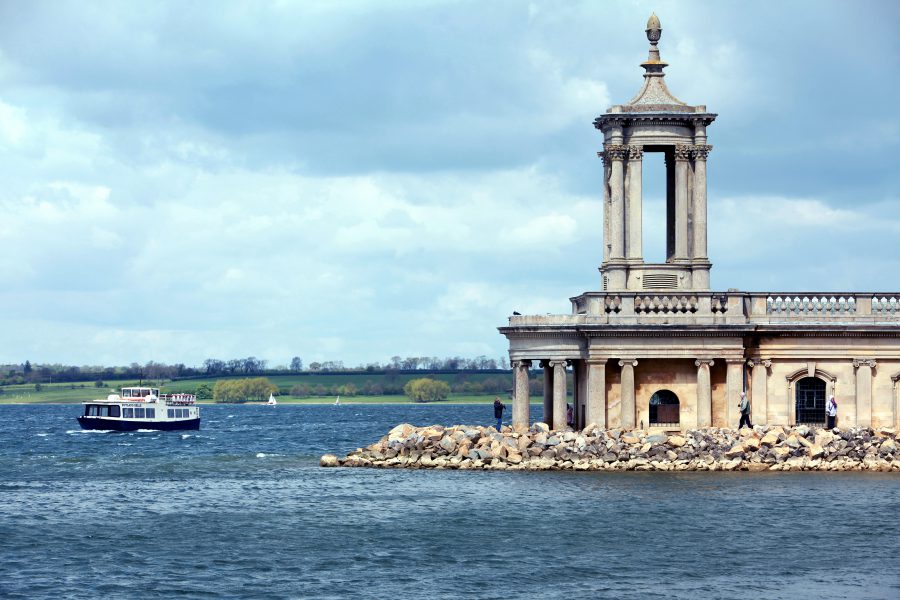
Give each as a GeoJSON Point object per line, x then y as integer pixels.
{"type": "Point", "coordinates": [242, 509]}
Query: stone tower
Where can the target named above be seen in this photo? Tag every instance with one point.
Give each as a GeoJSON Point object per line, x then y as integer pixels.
{"type": "Point", "coordinates": [655, 121]}
{"type": "Point", "coordinates": [656, 347]}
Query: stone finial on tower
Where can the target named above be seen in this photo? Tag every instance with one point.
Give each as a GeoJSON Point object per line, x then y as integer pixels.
{"type": "Point", "coordinates": [654, 29]}
{"type": "Point", "coordinates": [654, 65]}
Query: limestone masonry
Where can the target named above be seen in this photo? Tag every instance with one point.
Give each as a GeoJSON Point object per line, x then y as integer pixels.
{"type": "Point", "coordinates": [537, 448]}
{"type": "Point", "coordinates": [657, 348]}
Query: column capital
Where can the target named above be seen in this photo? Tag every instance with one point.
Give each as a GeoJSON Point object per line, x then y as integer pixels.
{"type": "Point", "coordinates": [635, 152]}
{"type": "Point", "coordinates": [763, 362]}
{"type": "Point", "coordinates": [701, 151]}
{"type": "Point", "coordinates": [556, 362]}
{"type": "Point", "coordinates": [704, 361]}
{"type": "Point", "coordinates": [630, 362]}
{"type": "Point", "coordinates": [683, 151]}
{"type": "Point", "coordinates": [615, 151]}
{"type": "Point", "coordinates": [864, 362]}
{"type": "Point", "coordinates": [518, 364]}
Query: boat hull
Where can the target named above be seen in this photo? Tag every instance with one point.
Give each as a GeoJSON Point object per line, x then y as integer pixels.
{"type": "Point", "coordinates": [126, 425]}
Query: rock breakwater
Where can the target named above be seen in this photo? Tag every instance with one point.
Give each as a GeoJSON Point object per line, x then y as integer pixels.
{"type": "Point", "coordinates": [537, 448]}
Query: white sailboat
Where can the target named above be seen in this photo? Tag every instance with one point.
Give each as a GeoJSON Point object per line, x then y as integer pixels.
{"type": "Point", "coordinates": [337, 401]}
{"type": "Point", "coordinates": [272, 401]}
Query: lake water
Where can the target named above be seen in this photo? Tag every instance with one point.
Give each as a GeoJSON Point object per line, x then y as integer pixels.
{"type": "Point", "coordinates": [241, 509]}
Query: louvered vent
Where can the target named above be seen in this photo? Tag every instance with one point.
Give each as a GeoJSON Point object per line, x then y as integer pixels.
{"type": "Point", "coordinates": [605, 282]}
{"type": "Point", "coordinates": [660, 281]}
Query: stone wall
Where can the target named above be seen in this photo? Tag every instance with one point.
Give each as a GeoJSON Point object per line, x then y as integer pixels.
{"type": "Point", "coordinates": [764, 448]}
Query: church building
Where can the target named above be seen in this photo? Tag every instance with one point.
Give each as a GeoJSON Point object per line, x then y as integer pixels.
{"type": "Point", "coordinates": [656, 347]}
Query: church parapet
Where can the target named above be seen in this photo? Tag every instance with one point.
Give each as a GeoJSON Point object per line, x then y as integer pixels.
{"type": "Point", "coordinates": [694, 307]}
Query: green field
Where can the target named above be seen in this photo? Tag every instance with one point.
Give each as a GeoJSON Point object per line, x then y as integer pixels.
{"type": "Point", "coordinates": [73, 393]}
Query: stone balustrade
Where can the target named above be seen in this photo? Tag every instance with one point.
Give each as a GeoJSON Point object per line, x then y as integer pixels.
{"type": "Point", "coordinates": [646, 307]}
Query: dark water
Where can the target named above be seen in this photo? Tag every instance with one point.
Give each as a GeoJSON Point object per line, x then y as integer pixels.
{"type": "Point", "coordinates": [241, 509]}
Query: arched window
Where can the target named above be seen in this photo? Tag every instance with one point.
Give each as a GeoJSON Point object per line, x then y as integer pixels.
{"type": "Point", "coordinates": [664, 408]}
{"type": "Point", "coordinates": [810, 398]}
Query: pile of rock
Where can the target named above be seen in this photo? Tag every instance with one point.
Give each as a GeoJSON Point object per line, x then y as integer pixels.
{"type": "Point", "coordinates": [763, 448]}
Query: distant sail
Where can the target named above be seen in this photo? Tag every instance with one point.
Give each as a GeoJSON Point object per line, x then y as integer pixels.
{"type": "Point", "coordinates": [272, 401]}
{"type": "Point", "coordinates": [337, 401]}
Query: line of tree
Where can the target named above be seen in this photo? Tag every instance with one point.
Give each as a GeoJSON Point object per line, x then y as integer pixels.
{"type": "Point", "coordinates": [27, 372]}
{"type": "Point", "coordinates": [490, 385]}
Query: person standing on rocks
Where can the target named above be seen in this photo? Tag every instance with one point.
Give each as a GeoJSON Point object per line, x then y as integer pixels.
{"type": "Point", "coordinates": [745, 411]}
{"type": "Point", "coordinates": [498, 412]}
{"type": "Point", "coordinates": [831, 411]}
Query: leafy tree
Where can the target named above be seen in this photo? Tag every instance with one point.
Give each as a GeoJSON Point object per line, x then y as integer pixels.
{"type": "Point", "coordinates": [296, 364]}
{"type": "Point", "coordinates": [426, 390]}
{"type": "Point", "coordinates": [99, 383]}
{"type": "Point", "coordinates": [243, 390]}
{"type": "Point", "coordinates": [38, 387]}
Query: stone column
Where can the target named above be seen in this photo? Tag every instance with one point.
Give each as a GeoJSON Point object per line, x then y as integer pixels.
{"type": "Point", "coordinates": [559, 393]}
{"type": "Point", "coordinates": [734, 385]}
{"type": "Point", "coordinates": [896, 401]}
{"type": "Point", "coordinates": [596, 392]}
{"type": "Point", "coordinates": [627, 393]}
{"type": "Point", "coordinates": [615, 154]}
{"type": "Point", "coordinates": [682, 156]}
{"type": "Point", "coordinates": [700, 279]}
{"type": "Point", "coordinates": [522, 396]}
{"type": "Point", "coordinates": [759, 391]}
{"type": "Point", "coordinates": [863, 392]}
{"type": "Point", "coordinates": [704, 392]}
{"type": "Point", "coordinates": [633, 237]}
{"type": "Point", "coordinates": [548, 393]}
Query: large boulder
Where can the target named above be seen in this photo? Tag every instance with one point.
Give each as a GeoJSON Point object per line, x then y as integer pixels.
{"type": "Point", "coordinates": [735, 451]}
{"type": "Point", "coordinates": [770, 439]}
{"type": "Point", "coordinates": [447, 444]}
{"type": "Point", "coordinates": [676, 441]}
{"type": "Point", "coordinates": [401, 432]}
{"type": "Point", "coordinates": [816, 451]}
{"type": "Point", "coordinates": [329, 460]}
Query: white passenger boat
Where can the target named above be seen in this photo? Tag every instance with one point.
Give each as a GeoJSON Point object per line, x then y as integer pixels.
{"type": "Point", "coordinates": [141, 408]}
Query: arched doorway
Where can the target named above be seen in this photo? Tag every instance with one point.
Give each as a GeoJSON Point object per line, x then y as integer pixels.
{"type": "Point", "coordinates": [810, 393]}
{"type": "Point", "coordinates": [664, 408]}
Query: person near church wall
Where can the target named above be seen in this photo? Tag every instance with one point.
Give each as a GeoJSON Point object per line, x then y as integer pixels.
{"type": "Point", "coordinates": [831, 411]}
{"type": "Point", "coordinates": [744, 405]}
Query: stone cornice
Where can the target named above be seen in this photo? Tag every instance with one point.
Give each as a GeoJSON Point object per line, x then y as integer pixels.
{"type": "Point", "coordinates": [653, 118]}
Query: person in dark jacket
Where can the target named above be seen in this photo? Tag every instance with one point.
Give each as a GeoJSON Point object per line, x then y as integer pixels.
{"type": "Point", "coordinates": [744, 406]}
{"type": "Point", "coordinates": [498, 412]}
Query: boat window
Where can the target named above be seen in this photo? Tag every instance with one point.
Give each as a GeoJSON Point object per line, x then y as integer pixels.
{"type": "Point", "coordinates": [171, 413]}
{"type": "Point", "coordinates": [139, 413]}
{"type": "Point", "coordinates": [103, 411]}
{"type": "Point", "coordinates": [151, 413]}
{"type": "Point", "coordinates": [114, 410]}
{"type": "Point", "coordinates": [87, 410]}
{"type": "Point", "coordinates": [128, 413]}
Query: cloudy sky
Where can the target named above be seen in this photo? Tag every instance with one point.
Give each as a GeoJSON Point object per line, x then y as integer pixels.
{"type": "Point", "coordinates": [354, 180]}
